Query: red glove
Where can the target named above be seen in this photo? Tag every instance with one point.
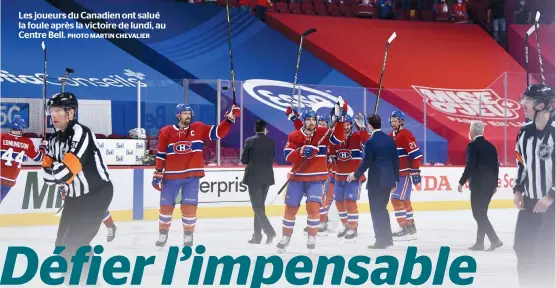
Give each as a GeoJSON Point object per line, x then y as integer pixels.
{"type": "Point", "coordinates": [292, 113]}
{"type": "Point", "coordinates": [234, 112]}
{"type": "Point", "coordinates": [157, 180]}
{"type": "Point", "coordinates": [44, 146]}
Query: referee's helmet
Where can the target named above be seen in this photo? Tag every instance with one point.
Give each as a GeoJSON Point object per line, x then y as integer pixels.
{"type": "Point", "coordinates": [64, 100]}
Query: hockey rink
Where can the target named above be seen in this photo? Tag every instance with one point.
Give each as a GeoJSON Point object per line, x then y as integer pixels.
{"type": "Point", "coordinates": [456, 229]}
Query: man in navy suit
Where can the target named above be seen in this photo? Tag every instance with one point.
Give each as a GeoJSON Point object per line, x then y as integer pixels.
{"type": "Point", "coordinates": [381, 158]}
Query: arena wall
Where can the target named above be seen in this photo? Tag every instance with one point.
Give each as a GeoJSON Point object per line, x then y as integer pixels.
{"type": "Point", "coordinates": [221, 195]}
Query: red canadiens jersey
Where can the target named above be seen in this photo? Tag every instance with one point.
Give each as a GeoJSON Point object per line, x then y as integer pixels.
{"type": "Point", "coordinates": [298, 124]}
{"type": "Point", "coordinates": [460, 10]}
{"type": "Point", "coordinates": [180, 151]}
{"type": "Point", "coordinates": [316, 168]}
{"type": "Point", "coordinates": [15, 151]}
{"type": "Point", "coordinates": [408, 151]}
{"type": "Point", "coordinates": [349, 155]}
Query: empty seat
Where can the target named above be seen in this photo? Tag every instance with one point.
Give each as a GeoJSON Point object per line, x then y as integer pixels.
{"type": "Point", "coordinates": [307, 8]}
{"type": "Point", "coordinates": [365, 11]}
{"type": "Point", "coordinates": [295, 8]}
{"type": "Point", "coordinates": [346, 10]}
{"type": "Point", "coordinates": [100, 136]}
{"type": "Point", "coordinates": [320, 8]}
{"type": "Point", "coordinates": [333, 9]}
{"type": "Point", "coordinates": [282, 7]}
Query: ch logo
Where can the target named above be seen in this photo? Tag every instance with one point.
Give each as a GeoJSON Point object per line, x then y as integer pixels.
{"type": "Point", "coordinates": [344, 154]}
{"type": "Point", "coordinates": [182, 147]}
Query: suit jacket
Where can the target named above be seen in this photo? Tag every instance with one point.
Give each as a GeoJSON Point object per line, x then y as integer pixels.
{"type": "Point", "coordinates": [381, 158]}
{"type": "Point", "coordinates": [481, 167]}
{"type": "Point", "coordinates": [258, 155]}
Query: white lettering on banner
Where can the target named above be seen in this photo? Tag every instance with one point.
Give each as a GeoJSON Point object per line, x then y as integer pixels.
{"type": "Point", "coordinates": [260, 89]}
{"type": "Point", "coordinates": [470, 103]}
{"type": "Point", "coordinates": [31, 195]}
{"type": "Point", "coordinates": [110, 81]}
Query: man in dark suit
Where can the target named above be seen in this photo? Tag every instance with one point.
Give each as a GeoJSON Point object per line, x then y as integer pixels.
{"type": "Point", "coordinates": [481, 169]}
{"type": "Point", "coordinates": [258, 155]}
{"type": "Point", "coordinates": [381, 158]}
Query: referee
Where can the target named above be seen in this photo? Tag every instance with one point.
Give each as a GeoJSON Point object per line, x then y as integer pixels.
{"type": "Point", "coordinates": [534, 190]}
{"type": "Point", "coordinates": [74, 162]}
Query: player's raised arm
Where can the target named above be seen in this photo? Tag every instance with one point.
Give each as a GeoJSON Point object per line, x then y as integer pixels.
{"type": "Point", "coordinates": [340, 112]}
{"type": "Point", "coordinates": [214, 132]}
{"type": "Point", "coordinates": [35, 154]}
{"type": "Point", "coordinates": [293, 115]}
{"type": "Point", "coordinates": [360, 126]}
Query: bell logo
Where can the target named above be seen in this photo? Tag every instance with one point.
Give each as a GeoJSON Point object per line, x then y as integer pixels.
{"type": "Point", "coordinates": [128, 152]}
{"type": "Point", "coordinates": [119, 158]}
{"type": "Point", "coordinates": [119, 144]}
{"type": "Point", "coordinates": [470, 103]}
{"type": "Point", "coordinates": [109, 151]}
{"type": "Point", "coordinates": [277, 94]}
{"type": "Point", "coordinates": [139, 145]}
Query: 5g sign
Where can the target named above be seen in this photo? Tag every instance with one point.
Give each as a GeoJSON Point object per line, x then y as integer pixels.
{"type": "Point", "coordinates": [9, 110]}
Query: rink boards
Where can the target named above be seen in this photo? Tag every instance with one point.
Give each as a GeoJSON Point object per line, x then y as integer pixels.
{"type": "Point", "coordinates": [221, 195]}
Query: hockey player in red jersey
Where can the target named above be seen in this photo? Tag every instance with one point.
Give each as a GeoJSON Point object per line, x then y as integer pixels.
{"type": "Point", "coordinates": [322, 121]}
{"type": "Point", "coordinates": [180, 166]}
{"type": "Point", "coordinates": [349, 155]}
{"type": "Point", "coordinates": [309, 171]}
{"type": "Point", "coordinates": [410, 163]}
{"type": "Point", "coordinates": [16, 149]}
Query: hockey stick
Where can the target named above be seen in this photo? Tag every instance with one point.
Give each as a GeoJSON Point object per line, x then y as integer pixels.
{"type": "Point", "coordinates": [330, 129]}
{"type": "Point", "coordinates": [382, 71]}
{"type": "Point", "coordinates": [44, 91]}
{"type": "Point", "coordinates": [230, 48]}
{"type": "Point", "coordinates": [529, 32]}
{"type": "Point", "coordinates": [305, 34]}
{"type": "Point", "coordinates": [537, 17]}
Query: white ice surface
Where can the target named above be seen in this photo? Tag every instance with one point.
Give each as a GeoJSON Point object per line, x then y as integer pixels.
{"type": "Point", "coordinates": [456, 229]}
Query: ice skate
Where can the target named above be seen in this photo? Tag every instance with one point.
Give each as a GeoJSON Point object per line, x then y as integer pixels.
{"type": "Point", "coordinates": [188, 239]}
{"type": "Point", "coordinates": [412, 231]}
{"type": "Point", "coordinates": [311, 242]}
{"type": "Point", "coordinates": [402, 235]}
{"type": "Point", "coordinates": [284, 242]}
{"type": "Point", "coordinates": [323, 229]}
{"type": "Point", "coordinates": [343, 232]}
{"type": "Point", "coordinates": [162, 238]}
{"type": "Point", "coordinates": [351, 236]}
{"type": "Point", "coordinates": [111, 233]}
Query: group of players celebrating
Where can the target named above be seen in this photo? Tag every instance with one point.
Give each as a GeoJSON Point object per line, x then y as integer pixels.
{"type": "Point", "coordinates": [323, 152]}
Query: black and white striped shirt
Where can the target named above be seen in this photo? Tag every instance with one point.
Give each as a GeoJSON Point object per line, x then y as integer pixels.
{"type": "Point", "coordinates": [74, 158]}
{"type": "Point", "coordinates": [535, 161]}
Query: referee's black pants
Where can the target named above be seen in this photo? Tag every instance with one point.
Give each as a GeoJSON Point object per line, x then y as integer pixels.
{"type": "Point", "coordinates": [257, 195]}
{"type": "Point", "coordinates": [534, 246]}
{"type": "Point", "coordinates": [81, 220]}
{"type": "Point", "coordinates": [480, 199]}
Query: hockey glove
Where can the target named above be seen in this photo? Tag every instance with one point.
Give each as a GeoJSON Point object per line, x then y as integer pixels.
{"type": "Point", "coordinates": [62, 190]}
{"type": "Point", "coordinates": [415, 176]}
{"type": "Point", "coordinates": [309, 151]}
{"type": "Point", "coordinates": [360, 122]}
{"type": "Point", "coordinates": [340, 109]}
{"type": "Point", "coordinates": [44, 146]}
{"type": "Point", "coordinates": [231, 115]}
{"type": "Point", "coordinates": [157, 180]}
{"type": "Point", "coordinates": [292, 113]}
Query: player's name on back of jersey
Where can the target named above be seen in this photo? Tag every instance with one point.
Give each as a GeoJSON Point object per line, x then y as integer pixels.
{"type": "Point", "coordinates": [298, 270]}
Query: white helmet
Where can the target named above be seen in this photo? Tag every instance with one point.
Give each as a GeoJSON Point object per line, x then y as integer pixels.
{"type": "Point", "coordinates": [138, 133]}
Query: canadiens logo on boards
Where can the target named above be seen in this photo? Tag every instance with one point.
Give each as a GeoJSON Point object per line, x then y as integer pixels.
{"type": "Point", "coordinates": [277, 94]}
{"type": "Point", "coordinates": [182, 147]}
{"type": "Point", "coordinates": [470, 103]}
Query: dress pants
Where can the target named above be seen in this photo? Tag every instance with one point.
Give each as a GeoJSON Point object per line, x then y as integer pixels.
{"type": "Point", "coordinates": [257, 195]}
{"type": "Point", "coordinates": [480, 199]}
{"type": "Point", "coordinates": [378, 200]}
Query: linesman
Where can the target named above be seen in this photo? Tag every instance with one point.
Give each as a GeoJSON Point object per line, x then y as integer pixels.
{"type": "Point", "coordinates": [74, 162]}
{"type": "Point", "coordinates": [534, 190]}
